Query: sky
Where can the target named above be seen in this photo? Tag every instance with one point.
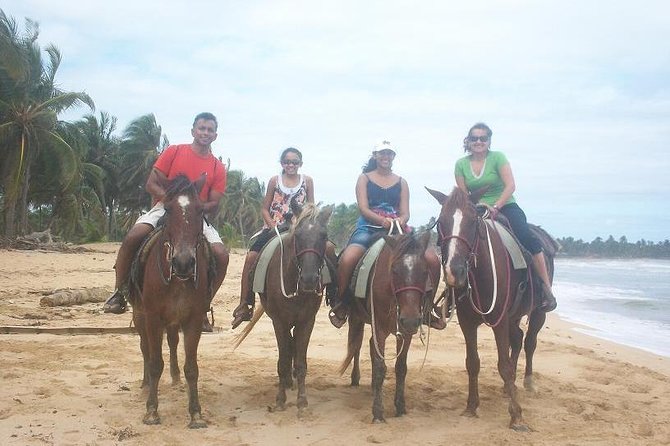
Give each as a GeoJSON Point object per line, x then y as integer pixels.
{"type": "Point", "coordinates": [577, 92]}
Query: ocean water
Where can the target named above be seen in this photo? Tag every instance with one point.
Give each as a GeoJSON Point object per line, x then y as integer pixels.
{"type": "Point", "coordinates": [624, 301]}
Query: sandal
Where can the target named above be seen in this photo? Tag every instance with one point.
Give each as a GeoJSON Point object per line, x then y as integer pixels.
{"type": "Point", "coordinates": [242, 313]}
{"type": "Point", "coordinates": [116, 303]}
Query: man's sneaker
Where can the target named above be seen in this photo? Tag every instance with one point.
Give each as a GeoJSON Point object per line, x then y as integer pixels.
{"type": "Point", "coordinates": [115, 304]}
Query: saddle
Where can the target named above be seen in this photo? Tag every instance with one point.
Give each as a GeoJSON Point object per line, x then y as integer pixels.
{"type": "Point", "coordinates": [360, 279]}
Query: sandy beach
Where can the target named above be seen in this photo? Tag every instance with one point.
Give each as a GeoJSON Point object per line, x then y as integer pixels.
{"type": "Point", "coordinates": [76, 389]}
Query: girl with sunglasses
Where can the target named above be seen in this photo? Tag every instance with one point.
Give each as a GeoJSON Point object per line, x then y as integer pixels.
{"type": "Point", "coordinates": [288, 185]}
{"type": "Point", "coordinates": [483, 167]}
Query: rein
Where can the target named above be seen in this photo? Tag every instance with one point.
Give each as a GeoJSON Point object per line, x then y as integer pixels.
{"type": "Point", "coordinates": [168, 258]}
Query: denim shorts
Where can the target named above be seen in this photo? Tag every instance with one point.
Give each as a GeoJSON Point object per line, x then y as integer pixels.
{"type": "Point", "coordinates": [364, 236]}
{"type": "Point", "coordinates": [155, 213]}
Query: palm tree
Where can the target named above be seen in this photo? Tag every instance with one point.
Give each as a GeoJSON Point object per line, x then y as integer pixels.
{"type": "Point", "coordinates": [29, 106]}
{"type": "Point", "coordinates": [102, 150]}
{"type": "Point", "coordinates": [241, 204]}
{"type": "Point", "coordinates": [140, 146]}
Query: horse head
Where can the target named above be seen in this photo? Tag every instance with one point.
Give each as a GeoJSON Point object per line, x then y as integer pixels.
{"type": "Point", "coordinates": [183, 225]}
{"type": "Point", "coordinates": [309, 230]}
{"type": "Point", "coordinates": [408, 276]}
{"type": "Point", "coordinates": [457, 231]}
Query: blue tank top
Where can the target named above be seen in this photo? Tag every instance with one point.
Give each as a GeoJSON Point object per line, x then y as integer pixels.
{"type": "Point", "coordinates": [379, 196]}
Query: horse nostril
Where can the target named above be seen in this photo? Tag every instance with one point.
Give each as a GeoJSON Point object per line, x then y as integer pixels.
{"type": "Point", "coordinates": [410, 325]}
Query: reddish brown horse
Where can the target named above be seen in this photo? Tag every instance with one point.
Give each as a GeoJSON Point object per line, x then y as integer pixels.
{"type": "Point", "coordinates": [395, 304]}
{"type": "Point", "coordinates": [171, 290]}
{"type": "Point", "coordinates": [477, 269]}
{"type": "Point", "coordinates": [293, 293]}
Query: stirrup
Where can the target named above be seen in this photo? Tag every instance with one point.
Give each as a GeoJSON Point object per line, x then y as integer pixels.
{"type": "Point", "coordinates": [242, 315]}
{"type": "Point", "coordinates": [116, 303]}
{"type": "Point", "coordinates": [338, 320]}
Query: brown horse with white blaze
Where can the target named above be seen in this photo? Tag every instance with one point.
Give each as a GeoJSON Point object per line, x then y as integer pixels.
{"type": "Point", "coordinates": [170, 290]}
{"type": "Point", "coordinates": [396, 303]}
{"type": "Point", "coordinates": [488, 290]}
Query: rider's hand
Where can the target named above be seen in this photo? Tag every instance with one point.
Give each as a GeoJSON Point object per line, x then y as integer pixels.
{"type": "Point", "coordinates": [387, 223]}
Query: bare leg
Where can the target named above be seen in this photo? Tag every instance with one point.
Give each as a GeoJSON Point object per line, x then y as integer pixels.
{"type": "Point", "coordinates": [345, 268]}
{"type": "Point", "coordinates": [245, 310]}
{"type": "Point", "coordinates": [124, 259]}
{"type": "Point", "coordinates": [222, 257]}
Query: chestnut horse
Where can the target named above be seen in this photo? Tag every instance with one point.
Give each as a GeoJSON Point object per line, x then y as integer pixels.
{"type": "Point", "coordinates": [477, 269]}
{"type": "Point", "coordinates": [395, 304]}
{"type": "Point", "coordinates": [171, 290]}
{"type": "Point", "coordinates": [293, 293]}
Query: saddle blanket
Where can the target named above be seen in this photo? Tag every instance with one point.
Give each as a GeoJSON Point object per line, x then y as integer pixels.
{"type": "Point", "coordinates": [510, 243]}
{"type": "Point", "coordinates": [264, 260]}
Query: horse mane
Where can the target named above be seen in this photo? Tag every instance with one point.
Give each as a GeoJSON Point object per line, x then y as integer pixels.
{"type": "Point", "coordinates": [178, 185]}
{"type": "Point", "coordinates": [310, 212]}
{"type": "Point", "coordinates": [407, 243]}
{"type": "Point", "coordinates": [458, 198]}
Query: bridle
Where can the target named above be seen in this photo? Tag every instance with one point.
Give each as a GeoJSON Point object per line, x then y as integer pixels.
{"type": "Point", "coordinates": [169, 255]}
{"type": "Point", "coordinates": [297, 255]}
{"type": "Point", "coordinates": [472, 259]}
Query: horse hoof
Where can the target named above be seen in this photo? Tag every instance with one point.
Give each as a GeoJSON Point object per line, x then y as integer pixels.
{"type": "Point", "coordinates": [152, 419]}
{"type": "Point", "coordinates": [519, 427]}
{"type": "Point", "coordinates": [302, 403]}
{"type": "Point", "coordinates": [469, 413]}
{"type": "Point", "coordinates": [378, 420]}
{"type": "Point", "coordinates": [197, 423]}
{"type": "Point", "coordinates": [529, 385]}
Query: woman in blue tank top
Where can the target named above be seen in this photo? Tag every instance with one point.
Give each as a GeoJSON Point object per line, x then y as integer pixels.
{"type": "Point", "coordinates": [383, 202]}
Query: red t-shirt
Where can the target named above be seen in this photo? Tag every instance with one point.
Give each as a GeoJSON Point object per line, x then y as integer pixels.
{"type": "Point", "coordinates": [181, 159]}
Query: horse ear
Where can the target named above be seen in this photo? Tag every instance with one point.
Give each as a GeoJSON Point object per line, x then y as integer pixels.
{"type": "Point", "coordinates": [296, 208]}
{"type": "Point", "coordinates": [324, 215]}
{"type": "Point", "coordinates": [200, 182]}
{"type": "Point", "coordinates": [439, 196]}
{"type": "Point", "coordinates": [475, 195]}
{"type": "Point", "coordinates": [391, 241]}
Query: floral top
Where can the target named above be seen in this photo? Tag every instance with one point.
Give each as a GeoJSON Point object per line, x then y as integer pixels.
{"type": "Point", "coordinates": [281, 200]}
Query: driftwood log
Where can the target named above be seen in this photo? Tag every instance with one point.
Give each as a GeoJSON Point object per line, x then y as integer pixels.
{"type": "Point", "coordinates": [67, 296]}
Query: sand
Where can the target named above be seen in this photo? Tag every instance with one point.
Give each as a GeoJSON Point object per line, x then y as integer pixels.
{"type": "Point", "coordinates": [85, 388]}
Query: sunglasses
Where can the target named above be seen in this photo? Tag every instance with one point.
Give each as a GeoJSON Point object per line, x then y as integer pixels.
{"type": "Point", "coordinates": [483, 138]}
{"type": "Point", "coordinates": [291, 162]}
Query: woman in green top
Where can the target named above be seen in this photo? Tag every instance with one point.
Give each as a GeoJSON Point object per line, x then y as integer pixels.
{"type": "Point", "coordinates": [483, 167]}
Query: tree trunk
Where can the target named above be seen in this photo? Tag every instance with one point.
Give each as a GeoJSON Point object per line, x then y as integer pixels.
{"type": "Point", "coordinates": [23, 203]}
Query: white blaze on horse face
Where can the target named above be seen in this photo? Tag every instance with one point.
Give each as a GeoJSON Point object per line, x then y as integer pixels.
{"type": "Point", "coordinates": [183, 202]}
{"type": "Point", "coordinates": [409, 262]}
{"type": "Point", "coordinates": [455, 232]}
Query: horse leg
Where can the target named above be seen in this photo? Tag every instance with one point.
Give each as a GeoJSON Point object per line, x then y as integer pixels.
{"type": "Point", "coordinates": [192, 331]}
{"type": "Point", "coordinates": [535, 324]}
{"type": "Point", "coordinates": [284, 363]}
{"type": "Point", "coordinates": [154, 339]}
{"type": "Point", "coordinates": [401, 373]}
{"type": "Point", "coordinates": [378, 375]}
{"type": "Point", "coordinates": [138, 320]}
{"type": "Point", "coordinates": [355, 342]}
{"type": "Point", "coordinates": [501, 334]}
{"type": "Point", "coordinates": [515, 339]}
{"type": "Point", "coordinates": [173, 343]}
{"type": "Point", "coordinates": [301, 336]}
{"type": "Point", "coordinates": [472, 365]}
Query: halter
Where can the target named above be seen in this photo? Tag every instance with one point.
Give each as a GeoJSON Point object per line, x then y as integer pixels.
{"type": "Point", "coordinates": [168, 258]}
{"type": "Point", "coordinates": [320, 255]}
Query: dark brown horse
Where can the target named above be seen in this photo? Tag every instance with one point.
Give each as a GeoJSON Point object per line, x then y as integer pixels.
{"type": "Point", "coordinates": [171, 290]}
{"type": "Point", "coordinates": [293, 293]}
{"type": "Point", "coordinates": [395, 304]}
{"type": "Point", "coordinates": [477, 269]}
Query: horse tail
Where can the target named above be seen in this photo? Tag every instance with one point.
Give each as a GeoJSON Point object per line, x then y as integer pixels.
{"type": "Point", "coordinates": [347, 361]}
{"type": "Point", "coordinates": [237, 340]}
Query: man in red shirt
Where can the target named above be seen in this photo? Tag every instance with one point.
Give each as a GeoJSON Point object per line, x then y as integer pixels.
{"type": "Point", "coordinates": [191, 160]}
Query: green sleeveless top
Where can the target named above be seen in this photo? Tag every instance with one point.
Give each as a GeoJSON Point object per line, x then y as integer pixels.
{"type": "Point", "coordinates": [489, 176]}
